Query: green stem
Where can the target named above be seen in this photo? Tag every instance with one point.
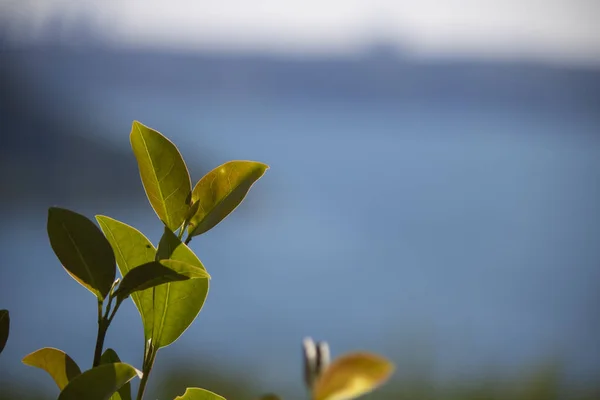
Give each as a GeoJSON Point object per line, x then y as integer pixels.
{"type": "Point", "coordinates": [102, 327]}
{"type": "Point", "coordinates": [108, 306]}
{"type": "Point", "coordinates": [148, 364]}
{"type": "Point", "coordinates": [114, 311]}
{"type": "Point", "coordinates": [103, 324]}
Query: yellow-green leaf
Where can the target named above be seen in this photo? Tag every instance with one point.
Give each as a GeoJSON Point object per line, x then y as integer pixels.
{"type": "Point", "coordinates": [55, 362]}
{"type": "Point", "coordinates": [220, 191]}
{"type": "Point", "coordinates": [99, 383]}
{"type": "Point", "coordinates": [199, 394]}
{"type": "Point", "coordinates": [164, 174]}
{"type": "Point", "coordinates": [124, 393]}
{"type": "Point", "coordinates": [4, 328]}
{"type": "Point", "coordinates": [176, 304]}
{"type": "Point", "coordinates": [82, 250]}
{"type": "Point", "coordinates": [351, 376]}
{"type": "Point", "coordinates": [132, 249]}
{"type": "Point", "coordinates": [157, 273]}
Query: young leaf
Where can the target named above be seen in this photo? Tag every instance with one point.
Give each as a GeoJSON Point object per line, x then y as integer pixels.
{"type": "Point", "coordinates": [4, 328]}
{"type": "Point", "coordinates": [56, 362]}
{"type": "Point", "coordinates": [176, 304]}
{"type": "Point", "coordinates": [351, 376]}
{"type": "Point", "coordinates": [198, 394]}
{"type": "Point", "coordinates": [164, 174]}
{"type": "Point", "coordinates": [110, 356]}
{"type": "Point", "coordinates": [220, 191]}
{"type": "Point", "coordinates": [82, 250]}
{"type": "Point", "coordinates": [132, 249]}
{"type": "Point", "coordinates": [99, 383]}
{"type": "Point", "coordinates": [157, 273]}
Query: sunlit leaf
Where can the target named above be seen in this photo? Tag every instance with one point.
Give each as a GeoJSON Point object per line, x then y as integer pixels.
{"type": "Point", "coordinates": [176, 304]}
{"type": "Point", "coordinates": [351, 376]}
{"type": "Point", "coordinates": [164, 174]}
{"type": "Point", "coordinates": [82, 250]}
{"type": "Point", "coordinates": [199, 394]}
{"type": "Point", "coordinates": [132, 249]}
{"type": "Point", "coordinates": [124, 393]}
{"type": "Point", "coordinates": [4, 328]}
{"type": "Point", "coordinates": [99, 383]}
{"type": "Point", "coordinates": [55, 362]}
{"type": "Point", "coordinates": [220, 191]}
{"type": "Point", "coordinates": [157, 273]}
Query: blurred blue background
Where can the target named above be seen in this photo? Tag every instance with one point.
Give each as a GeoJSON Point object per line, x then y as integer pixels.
{"type": "Point", "coordinates": [434, 191]}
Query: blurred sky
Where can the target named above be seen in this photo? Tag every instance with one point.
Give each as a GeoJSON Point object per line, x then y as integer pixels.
{"type": "Point", "coordinates": [552, 30]}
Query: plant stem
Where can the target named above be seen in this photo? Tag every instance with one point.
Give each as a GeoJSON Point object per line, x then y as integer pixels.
{"type": "Point", "coordinates": [110, 299]}
{"type": "Point", "coordinates": [114, 311]}
{"type": "Point", "coordinates": [148, 364]}
{"type": "Point", "coordinates": [102, 327]}
{"type": "Point", "coordinates": [103, 324]}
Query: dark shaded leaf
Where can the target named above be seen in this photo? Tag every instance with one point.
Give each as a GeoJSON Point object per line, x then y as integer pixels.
{"type": "Point", "coordinates": [157, 273]}
{"type": "Point", "coordinates": [4, 328]}
{"type": "Point", "coordinates": [124, 393]}
{"type": "Point", "coordinates": [82, 250]}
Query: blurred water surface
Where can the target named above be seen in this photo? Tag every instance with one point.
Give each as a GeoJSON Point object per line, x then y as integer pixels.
{"type": "Point", "coordinates": [463, 231]}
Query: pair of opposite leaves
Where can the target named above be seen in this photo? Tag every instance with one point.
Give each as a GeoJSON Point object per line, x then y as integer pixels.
{"type": "Point", "coordinates": [168, 185]}
{"type": "Point", "coordinates": [109, 381]}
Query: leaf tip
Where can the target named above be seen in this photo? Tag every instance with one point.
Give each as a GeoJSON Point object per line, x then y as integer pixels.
{"type": "Point", "coordinates": [136, 123]}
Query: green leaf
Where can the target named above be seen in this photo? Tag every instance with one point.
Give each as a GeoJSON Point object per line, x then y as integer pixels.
{"type": "Point", "coordinates": [82, 250]}
{"type": "Point", "coordinates": [157, 273]}
{"type": "Point", "coordinates": [56, 362]}
{"type": "Point", "coordinates": [199, 394]}
{"type": "Point", "coordinates": [124, 393]}
{"type": "Point", "coordinates": [220, 191]}
{"type": "Point", "coordinates": [173, 305]}
{"type": "Point", "coordinates": [164, 174]}
{"type": "Point", "coordinates": [351, 376]}
{"type": "Point", "coordinates": [99, 383]}
{"type": "Point", "coordinates": [176, 304]}
{"type": "Point", "coordinates": [132, 249]}
{"type": "Point", "coordinates": [4, 328]}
